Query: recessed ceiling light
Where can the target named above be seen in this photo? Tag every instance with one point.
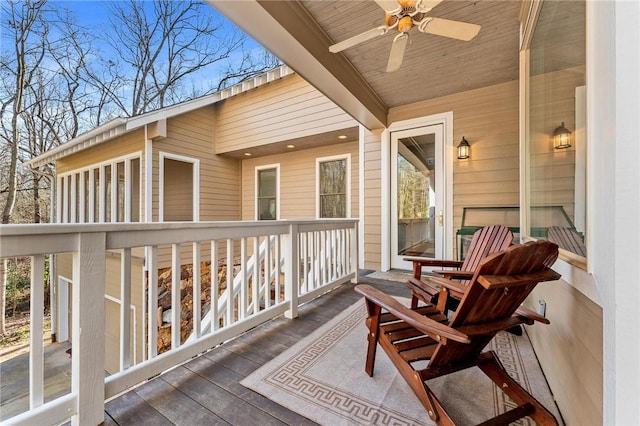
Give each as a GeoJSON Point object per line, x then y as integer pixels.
{"type": "Point", "coordinates": [291, 146]}
{"type": "Point", "coordinates": [247, 154]}
{"type": "Point", "coordinates": [342, 136]}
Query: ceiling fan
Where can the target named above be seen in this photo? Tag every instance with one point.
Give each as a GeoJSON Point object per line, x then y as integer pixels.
{"type": "Point", "coordinates": [402, 15]}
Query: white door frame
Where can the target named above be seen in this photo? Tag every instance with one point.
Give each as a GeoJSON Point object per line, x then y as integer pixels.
{"type": "Point", "coordinates": [446, 120]}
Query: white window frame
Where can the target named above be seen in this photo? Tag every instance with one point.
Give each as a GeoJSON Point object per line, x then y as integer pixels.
{"type": "Point", "coordinates": [319, 160]}
{"type": "Point", "coordinates": [195, 162]}
{"type": "Point", "coordinates": [256, 183]}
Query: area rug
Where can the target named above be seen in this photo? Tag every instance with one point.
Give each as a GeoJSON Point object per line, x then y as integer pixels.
{"type": "Point", "coordinates": [391, 276]}
{"type": "Point", "coordinates": [322, 378]}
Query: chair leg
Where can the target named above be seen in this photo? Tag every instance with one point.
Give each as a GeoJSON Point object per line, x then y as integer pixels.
{"type": "Point", "coordinates": [491, 366]}
{"type": "Point", "coordinates": [372, 336]}
{"type": "Point", "coordinates": [427, 398]}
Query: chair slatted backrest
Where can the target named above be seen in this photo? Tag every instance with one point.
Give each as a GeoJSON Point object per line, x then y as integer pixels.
{"type": "Point", "coordinates": [500, 284]}
{"type": "Point", "coordinates": [485, 241]}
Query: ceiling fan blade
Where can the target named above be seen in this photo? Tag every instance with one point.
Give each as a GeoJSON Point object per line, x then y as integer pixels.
{"type": "Point", "coordinates": [425, 6]}
{"type": "Point", "coordinates": [357, 39]}
{"type": "Point", "coordinates": [390, 6]}
{"type": "Point", "coordinates": [448, 28]}
{"type": "Point", "coordinates": [397, 52]}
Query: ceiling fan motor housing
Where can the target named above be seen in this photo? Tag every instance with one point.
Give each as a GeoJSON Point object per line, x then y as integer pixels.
{"type": "Point", "coordinates": [406, 17]}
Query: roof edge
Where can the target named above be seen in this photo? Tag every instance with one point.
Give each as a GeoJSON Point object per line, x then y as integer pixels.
{"type": "Point", "coordinates": [120, 126]}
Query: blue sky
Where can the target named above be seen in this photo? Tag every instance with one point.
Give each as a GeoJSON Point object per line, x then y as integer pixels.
{"type": "Point", "coordinates": [94, 13]}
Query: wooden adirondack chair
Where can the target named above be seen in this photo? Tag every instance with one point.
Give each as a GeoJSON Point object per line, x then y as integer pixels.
{"type": "Point", "coordinates": [484, 242]}
{"type": "Point", "coordinates": [490, 303]}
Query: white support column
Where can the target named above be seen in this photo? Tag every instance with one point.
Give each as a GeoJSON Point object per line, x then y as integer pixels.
{"type": "Point", "coordinates": [125, 309]}
{"type": "Point", "coordinates": [291, 274]}
{"type": "Point", "coordinates": [65, 200]}
{"type": "Point", "coordinates": [59, 199]}
{"type": "Point", "coordinates": [82, 213]}
{"type": "Point", "coordinates": [92, 197]}
{"type": "Point", "coordinates": [36, 351]}
{"type": "Point", "coordinates": [87, 378]}
{"type": "Point", "coordinates": [127, 191]}
{"type": "Point", "coordinates": [102, 193]}
{"type": "Point", "coordinates": [114, 192]}
{"type": "Point", "coordinates": [73, 199]}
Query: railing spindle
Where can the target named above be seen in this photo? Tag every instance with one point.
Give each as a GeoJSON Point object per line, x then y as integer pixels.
{"type": "Point", "coordinates": [152, 289]}
{"type": "Point", "coordinates": [125, 309]}
{"type": "Point", "coordinates": [197, 281]}
{"type": "Point", "coordinates": [175, 295]}
{"type": "Point", "coordinates": [36, 357]}
{"type": "Point", "coordinates": [214, 319]}
{"type": "Point", "coordinates": [230, 293]}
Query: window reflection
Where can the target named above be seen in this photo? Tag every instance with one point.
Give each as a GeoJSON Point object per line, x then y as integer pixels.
{"type": "Point", "coordinates": [556, 187]}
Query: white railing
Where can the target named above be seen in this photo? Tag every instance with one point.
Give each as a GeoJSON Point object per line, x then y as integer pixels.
{"type": "Point", "coordinates": [273, 268]}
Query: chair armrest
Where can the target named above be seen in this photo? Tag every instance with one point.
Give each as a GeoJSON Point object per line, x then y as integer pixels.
{"type": "Point", "coordinates": [419, 262]}
{"type": "Point", "coordinates": [455, 275]}
{"type": "Point", "coordinates": [456, 289]}
{"type": "Point", "coordinates": [424, 324]}
{"type": "Point", "coordinates": [417, 284]}
{"type": "Point", "coordinates": [530, 314]}
{"type": "Point", "coordinates": [423, 261]}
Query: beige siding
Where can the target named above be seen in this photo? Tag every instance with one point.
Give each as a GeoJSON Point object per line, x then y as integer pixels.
{"type": "Point", "coordinates": [570, 350]}
{"type": "Point", "coordinates": [191, 135]}
{"type": "Point", "coordinates": [123, 145]}
{"type": "Point", "coordinates": [372, 200]}
{"type": "Point", "coordinates": [488, 119]}
{"type": "Point", "coordinates": [297, 180]}
{"type": "Point", "coordinates": [64, 268]}
{"type": "Point", "coordinates": [286, 109]}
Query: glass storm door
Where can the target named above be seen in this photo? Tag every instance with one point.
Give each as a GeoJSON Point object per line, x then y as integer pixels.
{"type": "Point", "coordinates": [417, 194]}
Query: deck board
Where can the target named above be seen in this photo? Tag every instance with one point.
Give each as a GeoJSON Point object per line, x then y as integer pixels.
{"type": "Point", "coordinates": [207, 390]}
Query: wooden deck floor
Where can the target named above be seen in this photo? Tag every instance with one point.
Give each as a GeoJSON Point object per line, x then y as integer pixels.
{"type": "Point", "coordinates": [207, 390]}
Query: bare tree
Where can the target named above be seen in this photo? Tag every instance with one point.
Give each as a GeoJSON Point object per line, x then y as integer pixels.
{"type": "Point", "coordinates": [22, 23]}
{"type": "Point", "coordinates": [163, 45]}
{"type": "Point", "coordinates": [44, 102]}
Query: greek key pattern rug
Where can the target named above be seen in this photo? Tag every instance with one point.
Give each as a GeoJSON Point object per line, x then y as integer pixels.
{"type": "Point", "coordinates": [322, 378]}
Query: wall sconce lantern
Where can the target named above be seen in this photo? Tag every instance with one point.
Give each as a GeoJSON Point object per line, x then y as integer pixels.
{"type": "Point", "coordinates": [561, 137]}
{"type": "Point", "coordinates": [463, 149]}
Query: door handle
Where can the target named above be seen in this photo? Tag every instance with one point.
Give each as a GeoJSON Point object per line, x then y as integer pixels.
{"type": "Point", "coordinates": [440, 218]}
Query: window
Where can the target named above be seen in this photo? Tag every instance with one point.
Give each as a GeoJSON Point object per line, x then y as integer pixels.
{"type": "Point", "coordinates": [267, 182]}
{"type": "Point", "coordinates": [333, 177]}
{"type": "Point", "coordinates": [556, 181]}
{"type": "Point", "coordinates": [107, 192]}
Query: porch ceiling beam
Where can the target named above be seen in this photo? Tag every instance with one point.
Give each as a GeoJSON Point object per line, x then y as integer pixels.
{"type": "Point", "coordinates": [290, 33]}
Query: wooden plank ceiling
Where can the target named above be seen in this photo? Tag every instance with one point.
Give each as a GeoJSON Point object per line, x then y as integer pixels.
{"type": "Point", "coordinates": [433, 66]}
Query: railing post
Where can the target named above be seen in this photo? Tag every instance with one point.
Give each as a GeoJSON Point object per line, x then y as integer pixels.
{"type": "Point", "coordinates": [355, 255]}
{"type": "Point", "coordinates": [87, 362]}
{"type": "Point", "coordinates": [292, 273]}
